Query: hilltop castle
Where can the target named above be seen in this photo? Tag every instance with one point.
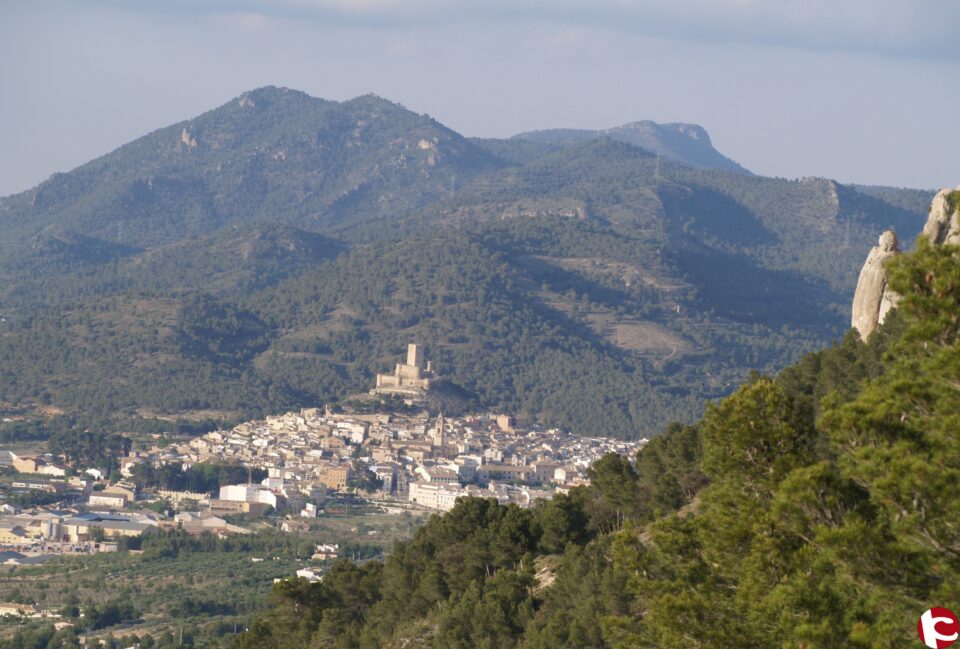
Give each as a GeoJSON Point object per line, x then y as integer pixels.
{"type": "Point", "coordinates": [410, 379]}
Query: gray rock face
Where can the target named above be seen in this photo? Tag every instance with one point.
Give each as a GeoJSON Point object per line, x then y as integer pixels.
{"type": "Point", "coordinates": [873, 298]}
{"type": "Point", "coordinates": [943, 224]}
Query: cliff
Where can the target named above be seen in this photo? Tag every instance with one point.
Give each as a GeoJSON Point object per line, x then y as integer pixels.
{"type": "Point", "coordinates": [943, 223]}
{"type": "Point", "coordinates": [873, 298]}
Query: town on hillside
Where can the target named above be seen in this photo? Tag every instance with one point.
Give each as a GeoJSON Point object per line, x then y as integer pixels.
{"type": "Point", "coordinates": [310, 460]}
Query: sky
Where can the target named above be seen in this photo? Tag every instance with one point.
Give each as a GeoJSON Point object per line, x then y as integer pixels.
{"type": "Point", "coordinates": [861, 91]}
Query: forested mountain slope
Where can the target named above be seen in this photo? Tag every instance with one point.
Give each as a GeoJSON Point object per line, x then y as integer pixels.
{"type": "Point", "coordinates": [813, 509]}
{"type": "Point", "coordinates": [588, 285]}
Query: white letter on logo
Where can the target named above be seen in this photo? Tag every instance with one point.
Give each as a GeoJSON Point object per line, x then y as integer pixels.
{"type": "Point", "coordinates": [930, 633]}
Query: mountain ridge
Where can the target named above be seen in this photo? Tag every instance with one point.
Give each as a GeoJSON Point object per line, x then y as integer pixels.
{"type": "Point", "coordinates": [348, 229]}
{"type": "Point", "coordinates": [686, 143]}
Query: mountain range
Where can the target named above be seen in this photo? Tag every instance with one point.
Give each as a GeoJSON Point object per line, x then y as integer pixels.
{"type": "Point", "coordinates": [688, 144]}
{"type": "Point", "coordinates": [280, 249]}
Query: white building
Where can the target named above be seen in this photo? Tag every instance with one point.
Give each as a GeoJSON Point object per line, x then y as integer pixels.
{"type": "Point", "coordinates": [435, 495]}
{"type": "Point", "coordinates": [101, 499]}
{"type": "Point", "coordinates": [248, 493]}
{"type": "Point", "coordinates": [309, 575]}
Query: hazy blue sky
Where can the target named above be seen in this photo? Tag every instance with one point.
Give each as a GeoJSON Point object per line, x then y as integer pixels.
{"type": "Point", "coordinates": [857, 90]}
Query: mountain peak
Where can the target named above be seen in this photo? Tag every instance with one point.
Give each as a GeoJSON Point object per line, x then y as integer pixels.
{"type": "Point", "coordinates": [692, 131]}
{"type": "Point", "coordinates": [266, 96]}
{"type": "Point", "coordinates": [372, 101]}
{"type": "Point", "coordinates": [269, 95]}
{"type": "Point", "coordinates": [270, 153]}
{"type": "Point", "coordinates": [688, 144]}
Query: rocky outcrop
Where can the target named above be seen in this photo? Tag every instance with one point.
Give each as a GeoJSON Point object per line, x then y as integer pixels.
{"type": "Point", "coordinates": [874, 299]}
{"type": "Point", "coordinates": [943, 224]}
{"type": "Point", "coordinates": [188, 139]}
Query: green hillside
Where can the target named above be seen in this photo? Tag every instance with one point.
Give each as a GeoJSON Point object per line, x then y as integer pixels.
{"type": "Point", "coordinates": [588, 285]}
{"type": "Point", "coordinates": [273, 155]}
{"type": "Point", "coordinates": [813, 509]}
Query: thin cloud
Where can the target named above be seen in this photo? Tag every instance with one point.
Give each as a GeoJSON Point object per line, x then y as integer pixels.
{"type": "Point", "coordinates": [247, 20]}
{"type": "Point", "coordinates": [903, 28]}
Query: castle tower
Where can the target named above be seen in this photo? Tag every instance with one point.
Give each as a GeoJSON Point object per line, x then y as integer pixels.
{"type": "Point", "coordinates": [415, 355]}
{"type": "Point", "coordinates": [413, 378]}
{"type": "Point", "coordinates": [438, 432]}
